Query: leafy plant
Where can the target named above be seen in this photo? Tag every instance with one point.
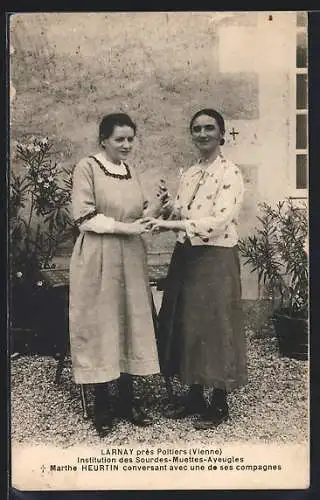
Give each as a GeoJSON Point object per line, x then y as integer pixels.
{"type": "Point", "coordinates": [39, 208]}
{"type": "Point", "coordinates": [277, 252]}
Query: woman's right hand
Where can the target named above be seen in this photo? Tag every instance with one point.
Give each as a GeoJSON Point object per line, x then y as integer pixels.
{"type": "Point", "coordinates": [136, 227]}
{"type": "Point", "coordinates": [156, 225]}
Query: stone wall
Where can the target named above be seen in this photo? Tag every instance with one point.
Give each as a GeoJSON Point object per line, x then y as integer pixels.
{"type": "Point", "coordinates": [70, 69]}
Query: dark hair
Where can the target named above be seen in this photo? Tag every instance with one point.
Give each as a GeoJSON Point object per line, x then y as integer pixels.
{"type": "Point", "coordinates": [214, 114]}
{"type": "Point", "coordinates": [112, 120]}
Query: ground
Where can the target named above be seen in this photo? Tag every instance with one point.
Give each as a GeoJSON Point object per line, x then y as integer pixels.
{"type": "Point", "coordinates": [271, 408]}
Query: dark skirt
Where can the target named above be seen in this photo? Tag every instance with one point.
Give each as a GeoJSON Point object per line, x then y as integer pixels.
{"type": "Point", "coordinates": [200, 324]}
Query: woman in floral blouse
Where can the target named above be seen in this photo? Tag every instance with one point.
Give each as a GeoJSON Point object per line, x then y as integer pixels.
{"type": "Point", "coordinates": [201, 335]}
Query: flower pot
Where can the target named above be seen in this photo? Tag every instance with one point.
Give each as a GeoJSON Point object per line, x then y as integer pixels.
{"type": "Point", "coordinates": [23, 300]}
{"type": "Point", "coordinates": [292, 334]}
{"type": "Point", "coordinates": [39, 319]}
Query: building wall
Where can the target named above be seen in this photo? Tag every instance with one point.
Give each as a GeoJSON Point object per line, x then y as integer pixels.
{"type": "Point", "coordinates": [70, 69]}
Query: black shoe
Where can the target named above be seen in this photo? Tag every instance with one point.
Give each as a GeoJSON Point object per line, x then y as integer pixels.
{"type": "Point", "coordinates": [129, 407]}
{"type": "Point", "coordinates": [140, 417]}
{"type": "Point", "coordinates": [212, 418]}
{"type": "Point", "coordinates": [102, 411]}
{"type": "Point", "coordinates": [104, 424]}
{"type": "Point", "coordinates": [192, 404]}
{"type": "Point", "coordinates": [136, 415]}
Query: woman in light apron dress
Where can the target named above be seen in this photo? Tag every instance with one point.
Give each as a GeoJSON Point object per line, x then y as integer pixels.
{"type": "Point", "coordinates": [110, 313]}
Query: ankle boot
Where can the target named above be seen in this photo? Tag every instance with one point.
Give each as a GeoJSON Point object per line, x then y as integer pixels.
{"type": "Point", "coordinates": [102, 414]}
{"type": "Point", "coordinates": [216, 413]}
{"type": "Point", "coordinates": [191, 404]}
{"type": "Point", "coordinates": [129, 407]}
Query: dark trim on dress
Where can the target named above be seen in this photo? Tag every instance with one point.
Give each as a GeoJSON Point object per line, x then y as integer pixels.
{"type": "Point", "coordinates": [110, 174]}
{"type": "Point", "coordinates": [86, 217]}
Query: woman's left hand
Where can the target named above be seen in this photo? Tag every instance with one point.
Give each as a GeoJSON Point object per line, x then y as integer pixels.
{"type": "Point", "coordinates": [157, 225]}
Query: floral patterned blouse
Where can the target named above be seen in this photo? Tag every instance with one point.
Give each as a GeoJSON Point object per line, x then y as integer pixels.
{"type": "Point", "coordinates": [209, 200]}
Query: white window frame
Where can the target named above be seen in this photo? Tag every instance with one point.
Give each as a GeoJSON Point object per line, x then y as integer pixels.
{"type": "Point", "coordinates": [295, 193]}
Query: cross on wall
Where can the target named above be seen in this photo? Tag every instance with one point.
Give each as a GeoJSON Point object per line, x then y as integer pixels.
{"type": "Point", "coordinates": [234, 133]}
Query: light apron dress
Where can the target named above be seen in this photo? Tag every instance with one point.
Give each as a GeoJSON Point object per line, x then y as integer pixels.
{"type": "Point", "coordinates": [110, 304]}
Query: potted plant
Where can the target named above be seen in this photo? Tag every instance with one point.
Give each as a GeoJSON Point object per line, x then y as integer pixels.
{"type": "Point", "coordinates": [39, 223]}
{"type": "Point", "coordinates": [277, 252]}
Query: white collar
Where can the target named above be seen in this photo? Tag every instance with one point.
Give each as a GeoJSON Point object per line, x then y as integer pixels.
{"type": "Point", "coordinates": [111, 167]}
{"type": "Point", "coordinates": [211, 167]}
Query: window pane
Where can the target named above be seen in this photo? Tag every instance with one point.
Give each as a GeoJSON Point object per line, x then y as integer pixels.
{"type": "Point", "coordinates": [301, 172]}
{"type": "Point", "coordinates": [301, 132]}
{"type": "Point", "coordinates": [301, 50]}
{"type": "Point", "coordinates": [302, 99]}
{"type": "Point", "coordinates": [302, 19]}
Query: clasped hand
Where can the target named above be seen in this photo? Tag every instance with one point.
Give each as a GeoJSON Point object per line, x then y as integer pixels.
{"type": "Point", "coordinates": [145, 225]}
{"type": "Point", "coordinates": [153, 225]}
{"type": "Point", "coordinates": [141, 226]}
{"type": "Point", "coordinates": [156, 225]}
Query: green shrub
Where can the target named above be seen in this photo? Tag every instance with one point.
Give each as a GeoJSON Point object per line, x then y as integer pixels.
{"type": "Point", "coordinates": [39, 208]}
{"type": "Point", "coordinates": [277, 252]}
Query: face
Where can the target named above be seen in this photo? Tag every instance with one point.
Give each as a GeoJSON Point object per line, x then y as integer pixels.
{"type": "Point", "coordinates": [119, 144]}
{"type": "Point", "coordinates": [206, 134]}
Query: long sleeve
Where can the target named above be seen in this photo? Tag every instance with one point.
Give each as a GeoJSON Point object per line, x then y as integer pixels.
{"type": "Point", "coordinates": [98, 224]}
{"type": "Point", "coordinates": [224, 211]}
{"type": "Point", "coordinates": [83, 202]}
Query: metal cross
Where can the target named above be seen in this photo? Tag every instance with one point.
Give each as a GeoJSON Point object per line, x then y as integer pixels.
{"type": "Point", "coordinates": [233, 133]}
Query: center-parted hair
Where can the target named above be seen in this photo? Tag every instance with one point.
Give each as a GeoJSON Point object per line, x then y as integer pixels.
{"type": "Point", "coordinates": [213, 114]}
{"type": "Point", "coordinates": [112, 120]}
